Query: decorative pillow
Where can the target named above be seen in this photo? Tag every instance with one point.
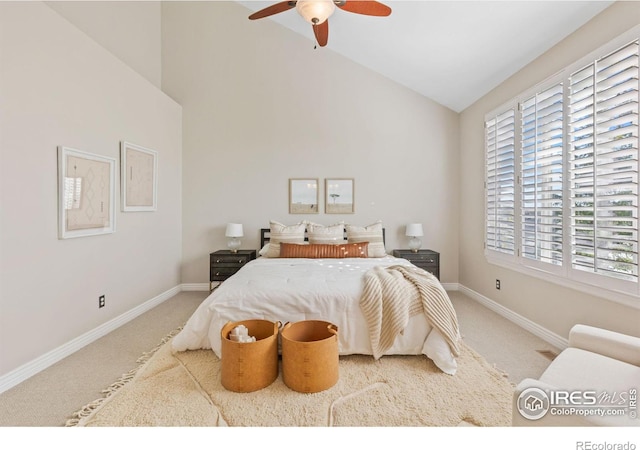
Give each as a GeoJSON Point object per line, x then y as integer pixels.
{"type": "Point", "coordinates": [359, 250]}
{"type": "Point", "coordinates": [283, 233]}
{"type": "Point", "coordinates": [371, 234]}
{"type": "Point", "coordinates": [263, 251]}
{"type": "Point", "coordinates": [319, 234]}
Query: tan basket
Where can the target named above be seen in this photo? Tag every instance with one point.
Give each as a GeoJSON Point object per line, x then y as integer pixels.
{"type": "Point", "coordinates": [250, 366]}
{"type": "Point", "coordinates": [309, 355]}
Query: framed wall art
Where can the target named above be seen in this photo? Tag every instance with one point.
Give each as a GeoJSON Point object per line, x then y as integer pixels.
{"type": "Point", "coordinates": [138, 178]}
{"type": "Point", "coordinates": [303, 196]}
{"type": "Point", "coordinates": [86, 193]}
{"type": "Point", "coordinates": [338, 198]}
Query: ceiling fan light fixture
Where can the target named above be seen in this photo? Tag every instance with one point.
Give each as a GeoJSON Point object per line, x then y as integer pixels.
{"type": "Point", "coordinates": [315, 11]}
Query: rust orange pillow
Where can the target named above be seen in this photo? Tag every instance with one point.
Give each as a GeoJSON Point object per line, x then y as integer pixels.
{"type": "Point", "coordinates": [358, 250]}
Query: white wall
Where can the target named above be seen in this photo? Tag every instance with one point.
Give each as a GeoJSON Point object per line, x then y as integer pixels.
{"type": "Point", "coordinates": [129, 30]}
{"type": "Point", "coordinates": [59, 87]}
{"type": "Point", "coordinates": [262, 106]}
{"type": "Point", "coordinates": [549, 305]}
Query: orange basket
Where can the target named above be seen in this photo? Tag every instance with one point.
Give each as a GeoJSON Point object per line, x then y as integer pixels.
{"type": "Point", "coordinates": [250, 366]}
{"type": "Point", "coordinates": [309, 355]}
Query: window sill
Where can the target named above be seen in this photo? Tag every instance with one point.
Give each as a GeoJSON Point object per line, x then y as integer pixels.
{"type": "Point", "coordinates": [613, 295]}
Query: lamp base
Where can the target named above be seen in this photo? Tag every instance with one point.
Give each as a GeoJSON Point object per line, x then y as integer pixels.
{"type": "Point", "coordinates": [415, 243]}
{"type": "Point", "coordinates": [233, 244]}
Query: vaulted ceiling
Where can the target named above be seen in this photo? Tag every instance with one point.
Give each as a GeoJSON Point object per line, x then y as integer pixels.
{"type": "Point", "coordinates": [453, 52]}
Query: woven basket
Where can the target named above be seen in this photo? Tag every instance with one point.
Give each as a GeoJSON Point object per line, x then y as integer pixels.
{"type": "Point", "coordinates": [309, 355]}
{"type": "Point", "coordinates": [250, 366]}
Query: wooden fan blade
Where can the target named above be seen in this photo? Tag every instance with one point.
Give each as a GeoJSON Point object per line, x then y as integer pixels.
{"type": "Point", "coordinates": [273, 9]}
{"type": "Point", "coordinates": [369, 8]}
{"type": "Point", "coordinates": [322, 33]}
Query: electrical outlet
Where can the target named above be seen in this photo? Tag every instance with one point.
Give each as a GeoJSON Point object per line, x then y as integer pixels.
{"type": "Point", "coordinates": [498, 284]}
{"type": "Point", "coordinates": [101, 301]}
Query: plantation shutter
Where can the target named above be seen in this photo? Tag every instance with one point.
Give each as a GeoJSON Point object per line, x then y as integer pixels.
{"type": "Point", "coordinates": [603, 132]}
{"type": "Point", "coordinates": [500, 182]}
{"type": "Point", "coordinates": [541, 183]}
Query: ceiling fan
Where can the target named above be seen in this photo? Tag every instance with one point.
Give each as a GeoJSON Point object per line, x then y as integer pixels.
{"type": "Point", "coordinates": [317, 12]}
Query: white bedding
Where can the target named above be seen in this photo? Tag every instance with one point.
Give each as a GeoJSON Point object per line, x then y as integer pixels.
{"type": "Point", "coordinates": [290, 290]}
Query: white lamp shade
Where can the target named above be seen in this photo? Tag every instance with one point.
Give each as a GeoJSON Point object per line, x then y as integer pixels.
{"type": "Point", "coordinates": [315, 11]}
{"type": "Point", "coordinates": [234, 230]}
{"type": "Point", "coordinates": [414, 229]}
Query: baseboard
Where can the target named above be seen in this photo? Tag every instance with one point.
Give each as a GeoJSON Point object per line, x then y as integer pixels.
{"type": "Point", "coordinates": [31, 368]}
{"type": "Point", "coordinates": [195, 286]}
{"type": "Point", "coordinates": [557, 341]}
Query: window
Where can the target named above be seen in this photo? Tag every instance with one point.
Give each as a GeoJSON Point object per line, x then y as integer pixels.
{"type": "Point", "coordinates": [500, 182]}
{"type": "Point", "coordinates": [562, 174]}
{"type": "Point", "coordinates": [541, 131]}
{"type": "Point", "coordinates": [603, 115]}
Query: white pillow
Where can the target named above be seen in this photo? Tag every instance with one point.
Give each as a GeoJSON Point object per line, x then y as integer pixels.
{"type": "Point", "coordinates": [371, 234]}
{"type": "Point", "coordinates": [320, 234]}
{"type": "Point", "coordinates": [283, 233]}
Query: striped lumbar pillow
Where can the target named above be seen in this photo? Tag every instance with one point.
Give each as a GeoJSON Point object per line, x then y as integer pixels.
{"type": "Point", "coordinates": [358, 250]}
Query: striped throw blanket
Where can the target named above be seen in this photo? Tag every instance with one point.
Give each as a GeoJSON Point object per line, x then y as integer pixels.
{"type": "Point", "coordinates": [394, 294]}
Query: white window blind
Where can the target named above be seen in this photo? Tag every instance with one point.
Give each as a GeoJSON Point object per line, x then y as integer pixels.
{"type": "Point", "coordinates": [500, 182]}
{"type": "Point", "coordinates": [603, 165]}
{"type": "Point", "coordinates": [562, 169]}
{"type": "Point", "coordinates": [542, 129]}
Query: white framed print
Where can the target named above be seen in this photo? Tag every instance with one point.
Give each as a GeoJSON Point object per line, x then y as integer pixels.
{"type": "Point", "coordinates": [338, 197]}
{"type": "Point", "coordinates": [86, 193]}
{"type": "Point", "coordinates": [303, 196]}
{"type": "Point", "coordinates": [138, 178]}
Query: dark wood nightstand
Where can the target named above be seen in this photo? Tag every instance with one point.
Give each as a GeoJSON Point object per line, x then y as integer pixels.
{"type": "Point", "coordinates": [224, 263]}
{"type": "Point", "coordinates": [425, 259]}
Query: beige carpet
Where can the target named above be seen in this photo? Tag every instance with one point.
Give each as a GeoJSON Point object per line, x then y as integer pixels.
{"type": "Point", "coordinates": [185, 390]}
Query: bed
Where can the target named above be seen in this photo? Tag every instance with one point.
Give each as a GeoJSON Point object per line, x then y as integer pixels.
{"type": "Point", "coordinates": [290, 289]}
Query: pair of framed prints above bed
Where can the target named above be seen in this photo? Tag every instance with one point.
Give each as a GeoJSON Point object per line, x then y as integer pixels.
{"type": "Point", "coordinates": [304, 196]}
{"type": "Point", "coordinates": [87, 187]}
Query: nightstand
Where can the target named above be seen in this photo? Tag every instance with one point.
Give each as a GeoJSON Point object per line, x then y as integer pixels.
{"type": "Point", "coordinates": [224, 263]}
{"type": "Point", "coordinates": [425, 259]}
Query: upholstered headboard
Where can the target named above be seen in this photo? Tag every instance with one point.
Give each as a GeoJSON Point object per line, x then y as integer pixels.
{"type": "Point", "coordinates": [264, 236]}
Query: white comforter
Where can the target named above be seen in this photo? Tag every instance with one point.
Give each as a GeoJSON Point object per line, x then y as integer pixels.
{"type": "Point", "coordinates": [290, 290]}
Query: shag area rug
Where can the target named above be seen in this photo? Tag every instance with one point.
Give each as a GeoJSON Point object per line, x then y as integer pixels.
{"type": "Point", "coordinates": [184, 389]}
